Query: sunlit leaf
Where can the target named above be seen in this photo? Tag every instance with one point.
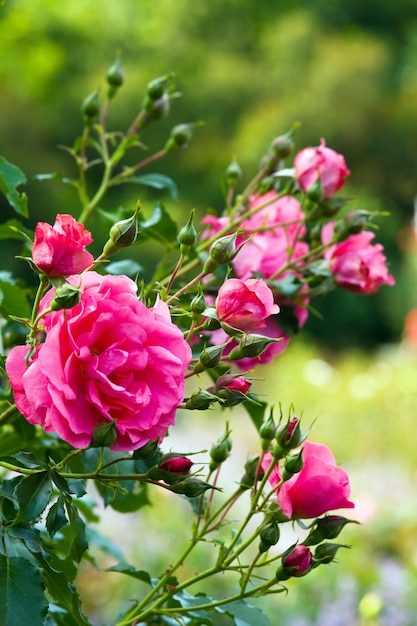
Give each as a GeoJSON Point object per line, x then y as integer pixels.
{"type": "Point", "coordinates": [11, 177]}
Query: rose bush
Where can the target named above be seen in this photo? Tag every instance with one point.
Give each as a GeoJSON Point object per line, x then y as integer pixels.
{"type": "Point", "coordinates": [58, 250]}
{"type": "Point", "coordinates": [356, 264]}
{"type": "Point", "coordinates": [319, 487]}
{"type": "Point", "coordinates": [107, 359]}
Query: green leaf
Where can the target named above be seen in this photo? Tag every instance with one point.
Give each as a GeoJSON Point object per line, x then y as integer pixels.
{"type": "Point", "coordinates": [128, 267]}
{"type": "Point", "coordinates": [56, 518]}
{"type": "Point", "coordinates": [24, 459]}
{"type": "Point", "coordinates": [256, 411]}
{"type": "Point", "coordinates": [63, 593]}
{"type": "Point", "coordinates": [157, 181]}
{"type": "Point", "coordinates": [22, 598]}
{"type": "Point", "coordinates": [13, 300]}
{"type": "Point", "coordinates": [244, 614]}
{"type": "Point", "coordinates": [160, 226]}
{"type": "Point", "coordinates": [129, 570]}
{"type": "Point", "coordinates": [10, 179]}
{"type": "Point", "coordinates": [33, 495]}
{"type": "Point", "coordinates": [13, 229]}
{"type": "Point", "coordinates": [79, 543]}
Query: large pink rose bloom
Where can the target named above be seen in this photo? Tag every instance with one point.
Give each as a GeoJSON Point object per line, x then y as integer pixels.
{"type": "Point", "coordinates": [355, 263]}
{"type": "Point", "coordinates": [107, 359]}
{"type": "Point", "coordinates": [321, 485]}
{"type": "Point", "coordinates": [323, 165]}
{"type": "Point", "coordinates": [245, 304]}
{"type": "Point", "coordinates": [58, 250]}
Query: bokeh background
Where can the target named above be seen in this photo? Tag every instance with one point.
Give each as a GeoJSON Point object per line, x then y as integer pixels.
{"type": "Point", "coordinates": [347, 71]}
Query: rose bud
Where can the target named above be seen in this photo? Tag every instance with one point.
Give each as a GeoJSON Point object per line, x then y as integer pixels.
{"type": "Point", "coordinates": [174, 464]}
{"type": "Point", "coordinates": [326, 552]}
{"type": "Point", "coordinates": [295, 563]}
{"type": "Point", "coordinates": [289, 435]}
{"type": "Point", "coordinates": [320, 165]}
{"type": "Point", "coordinates": [245, 305]}
{"type": "Point", "coordinates": [191, 487]}
{"type": "Point", "coordinates": [328, 527]}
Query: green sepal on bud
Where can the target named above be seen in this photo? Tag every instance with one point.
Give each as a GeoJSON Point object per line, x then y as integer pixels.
{"type": "Point", "coordinates": [187, 235]}
{"type": "Point", "coordinates": [289, 435]}
{"type": "Point", "coordinates": [283, 145]}
{"type": "Point", "coordinates": [122, 234]}
{"type": "Point", "coordinates": [267, 431]}
{"type": "Point", "coordinates": [90, 107]}
{"type": "Point", "coordinates": [252, 472]}
{"type": "Point", "coordinates": [210, 357]}
{"type": "Point", "coordinates": [326, 552]}
{"type": "Point", "coordinates": [115, 78]}
{"type": "Point", "coordinates": [66, 297]}
{"type": "Point", "coordinates": [147, 451]}
{"type": "Point", "coordinates": [198, 303]}
{"type": "Point", "coordinates": [222, 251]}
{"type": "Point", "coordinates": [328, 527]}
{"type": "Point", "coordinates": [104, 435]}
{"type": "Point", "coordinates": [156, 88]}
{"type": "Point", "coordinates": [180, 137]}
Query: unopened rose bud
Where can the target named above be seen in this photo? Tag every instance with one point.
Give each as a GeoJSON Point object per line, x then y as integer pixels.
{"type": "Point", "coordinates": [283, 145]}
{"type": "Point", "coordinates": [198, 304]}
{"type": "Point", "coordinates": [104, 435]}
{"type": "Point", "coordinates": [289, 435]}
{"type": "Point", "coordinates": [90, 107]}
{"type": "Point", "coordinates": [122, 234]}
{"type": "Point", "coordinates": [175, 464]}
{"type": "Point", "coordinates": [252, 471]}
{"type": "Point", "coordinates": [220, 450]}
{"type": "Point", "coordinates": [250, 346]}
{"type": "Point", "coordinates": [233, 174]}
{"type": "Point", "coordinates": [295, 563]}
{"type": "Point", "coordinates": [268, 535]}
{"type": "Point", "coordinates": [222, 251]}
{"type": "Point", "coordinates": [115, 78]}
{"type": "Point", "coordinates": [191, 487]}
{"type": "Point", "coordinates": [158, 86]}
{"type": "Point", "coordinates": [326, 552]}
{"type": "Point", "coordinates": [66, 297]}
{"type": "Point", "coordinates": [328, 527]}
{"type": "Point", "coordinates": [187, 235]}
{"type": "Point", "coordinates": [200, 400]}
{"type": "Point", "coordinates": [157, 109]}
{"type": "Point", "coordinates": [180, 137]}
{"type": "Point", "coordinates": [267, 431]}
{"type": "Point", "coordinates": [209, 357]}
{"type": "Point", "coordinates": [293, 464]}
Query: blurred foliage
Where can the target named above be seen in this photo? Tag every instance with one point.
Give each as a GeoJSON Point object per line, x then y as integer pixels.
{"type": "Point", "coordinates": [346, 71]}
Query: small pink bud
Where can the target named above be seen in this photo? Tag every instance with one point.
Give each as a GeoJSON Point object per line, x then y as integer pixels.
{"type": "Point", "coordinates": [295, 562]}
{"type": "Point", "coordinates": [175, 464]}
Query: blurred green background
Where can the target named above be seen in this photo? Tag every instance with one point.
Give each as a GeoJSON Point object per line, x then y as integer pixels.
{"type": "Point", "coordinates": [347, 70]}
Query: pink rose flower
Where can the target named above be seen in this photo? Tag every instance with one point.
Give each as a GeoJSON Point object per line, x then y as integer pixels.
{"type": "Point", "coordinates": [58, 250]}
{"type": "Point", "coordinates": [323, 165]}
{"type": "Point", "coordinates": [355, 263]}
{"type": "Point", "coordinates": [109, 358]}
{"type": "Point", "coordinates": [245, 304]}
{"type": "Point", "coordinates": [319, 487]}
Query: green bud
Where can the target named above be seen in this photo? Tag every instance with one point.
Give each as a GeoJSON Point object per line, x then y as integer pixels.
{"type": "Point", "coordinates": [328, 527]}
{"type": "Point", "coordinates": [220, 450]}
{"type": "Point", "coordinates": [283, 145]}
{"type": "Point", "coordinates": [233, 174]}
{"type": "Point", "coordinates": [188, 234]}
{"type": "Point", "coordinates": [252, 471]}
{"type": "Point", "coordinates": [156, 88]}
{"type": "Point", "coordinates": [66, 297]}
{"type": "Point", "coordinates": [191, 487]}
{"type": "Point", "coordinates": [198, 303]}
{"type": "Point", "coordinates": [104, 435]}
{"type": "Point", "coordinates": [289, 435]}
{"type": "Point", "coordinates": [122, 234]}
{"type": "Point", "coordinates": [157, 109]}
{"type": "Point", "coordinates": [221, 252]}
{"type": "Point", "coordinates": [180, 137]}
{"type": "Point", "coordinates": [90, 107]}
{"type": "Point", "coordinates": [200, 400]}
{"type": "Point", "coordinates": [250, 346]}
{"type": "Point", "coordinates": [115, 77]}
{"type": "Point", "coordinates": [268, 535]}
{"type": "Point", "coordinates": [268, 429]}
{"type": "Point", "coordinates": [210, 357]}
{"type": "Point", "coordinates": [292, 465]}
{"type": "Point", "coordinates": [326, 552]}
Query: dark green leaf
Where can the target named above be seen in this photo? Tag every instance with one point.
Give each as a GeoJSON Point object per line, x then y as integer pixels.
{"type": "Point", "coordinates": [79, 542]}
{"type": "Point", "coordinates": [11, 177]}
{"type": "Point", "coordinates": [245, 614]}
{"type": "Point", "coordinates": [33, 495]}
{"type": "Point", "coordinates": [24, 459]}
{"type": "Point", "coordinates": [77, 487]}
{"type": "Point", "coordinates": [13, 300]}
{"type": "Point", "coordinates": [200, 616]}
{"type": "Point", "coordinates": [13, 229]}
{"type": "Point", "coordinates": [160, 226]}
{"type": "Point", "coordinates": [60, 482]}
{"type": "Point", "coordinates": [157, 181]}
{"type": "Point", "coordinates": [63, 593]}
{"type": "Point", "coordinates": [22, 598]}
{"type": "Point", "coordinates": [56, 518]}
